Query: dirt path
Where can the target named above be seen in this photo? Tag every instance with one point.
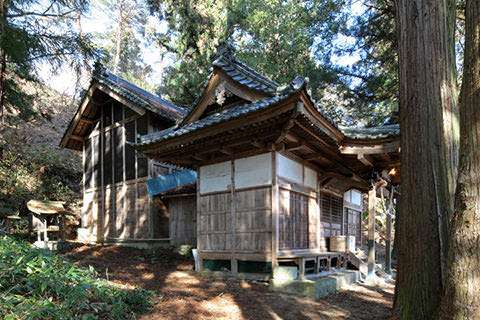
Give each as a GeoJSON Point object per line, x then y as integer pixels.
{"type": "Point", "coordinates": [183, 294]}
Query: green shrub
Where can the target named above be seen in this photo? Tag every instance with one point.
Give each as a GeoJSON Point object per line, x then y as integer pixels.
{"type": "Point", "coordinates": [42, 173]}
{"type": "Point", "coordinates": [37, 284]}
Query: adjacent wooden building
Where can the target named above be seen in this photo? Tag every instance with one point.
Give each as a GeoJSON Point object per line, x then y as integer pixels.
{"type": "Point", "coordinates": [277, 178]}
{"type": "Point", "coordinates": [116, 204]}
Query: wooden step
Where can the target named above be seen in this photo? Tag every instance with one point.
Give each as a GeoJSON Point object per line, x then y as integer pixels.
{"type": "Point", "coordinates": [357, 262]}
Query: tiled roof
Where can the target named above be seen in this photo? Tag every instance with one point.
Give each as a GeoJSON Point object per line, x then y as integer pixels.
{"type": "Point", "coordinates": [371, 133]}
{"type": "Point", "coordinates": [245, 75]}
{"type": "Point", "coordinates": [221, 116]}
{"type": "Point", "coordinates": [225, 60]}
{"type": "Point", "coordinates": [138, 95]}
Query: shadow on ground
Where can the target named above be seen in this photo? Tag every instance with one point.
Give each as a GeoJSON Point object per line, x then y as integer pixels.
{"type": "Point", "coordinates": [183, 294]}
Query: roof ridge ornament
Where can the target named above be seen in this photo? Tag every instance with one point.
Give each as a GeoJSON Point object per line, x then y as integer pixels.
{"type": "Point", "coordinates": [99, 68]}
{"type": "Point", "coordinates": [225, 50]}
{"type": "Point", "coordinates": [296, 84]}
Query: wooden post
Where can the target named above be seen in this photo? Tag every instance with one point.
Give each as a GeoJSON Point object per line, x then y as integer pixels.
{"type": "Point", "coordinates": [371, 230]}
{"type": "Point", "coordinates": [101, 214]}
{"type": "Point", "coordinates": [301, 268]}
{"type": "Point", "coordinates": [62, 227]}
{"type": "Point", "coordinates": [388, 249]}
{"type": "Point", "coordinates": [275, 210]}
{"type": "Point", "coordinates": [199, 226]}
{"type": "Point", "coordinates": [234, 264]}
{"type": "Point", "coordinates": [388, 244]}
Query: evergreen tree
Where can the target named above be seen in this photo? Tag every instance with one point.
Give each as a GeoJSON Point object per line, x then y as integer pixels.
{"type": "Point", "coordinates": [278, 39]}
{"type": "Point", "coordinates": [32, 32]}
{"type": "Point", "coordinates": [462, 286]}
{"type": "Point", "coordinates": [122, 45]}
{"type": "Point", "coordinates": [429, 157]}
{"type": "Point", "coordinates": [370, 85]}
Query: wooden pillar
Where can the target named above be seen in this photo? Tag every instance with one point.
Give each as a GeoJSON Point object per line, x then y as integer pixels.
{"type": "Point", "coordinates": [301, 268]}
{"type": "Point", "coordinates": [199, 226]}
{"type": "Point", "coordinates": [234, 263]}
{"type": "Point", "coordinates": [275, 210]}
{"type": "Point", "coordinates": [371, 230]}
{"type": "Point", "coordinates": [388, 248]}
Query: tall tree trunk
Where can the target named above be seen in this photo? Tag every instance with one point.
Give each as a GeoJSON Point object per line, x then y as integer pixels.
{"type": "Point", "coordinates": [120, 32]}
{"type": "Point", "coordinates": [462, 286]}
{"type": "Point", "coordinates": [428, 119]}
{"type": "Point", "coordinates": [82, 38]}
{"type": "Point", "coordinates": [3, 60]}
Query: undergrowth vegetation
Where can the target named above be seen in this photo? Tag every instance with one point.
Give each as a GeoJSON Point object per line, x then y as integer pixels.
{"type": "Point", "coordinates": [37, 284]}
{"type": "Point", "coordinates": [40, 173]}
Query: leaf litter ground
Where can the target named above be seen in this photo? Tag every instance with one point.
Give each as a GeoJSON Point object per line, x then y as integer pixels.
{"type": "Point", "coordinates": [184, 294]}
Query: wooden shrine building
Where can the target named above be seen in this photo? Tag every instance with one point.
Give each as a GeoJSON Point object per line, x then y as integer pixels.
{"type": "Point", "coordinates": [116, 204]}
{"type": "Point", "coordinates": [276, 178]}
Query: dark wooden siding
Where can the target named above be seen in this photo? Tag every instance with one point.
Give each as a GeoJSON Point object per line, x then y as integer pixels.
{"type": "Point", "coordinates": [294, 220]}
{"type": "Point", "coordinates": [116, 174]}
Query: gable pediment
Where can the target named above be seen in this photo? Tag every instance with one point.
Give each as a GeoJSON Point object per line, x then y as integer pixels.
{"type": "Point", "coordinates": [105, 87]}
{"type": "Point", "coordinates": [222, 91]}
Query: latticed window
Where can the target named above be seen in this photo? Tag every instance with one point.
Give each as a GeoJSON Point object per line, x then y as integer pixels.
{"type": "Point", "coordinates": [331, 211]}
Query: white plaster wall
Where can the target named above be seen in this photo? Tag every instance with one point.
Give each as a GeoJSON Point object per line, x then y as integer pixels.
{"type": "Point", "coordinates": [356, 197]}
{"type": "Point", "coordinates": [216, 177]}
{"type": "Point", "coordinates": [353, 196]}
{"type": "Point", "coordinates": [310, 179]}
{"type": "Point", "coordinates": [290, 169]}
{"type": "Point", "coordinates": [253, 171]}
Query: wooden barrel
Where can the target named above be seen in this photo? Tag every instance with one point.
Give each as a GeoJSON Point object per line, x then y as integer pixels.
{"type": "Point", "coordinates": [342, 243]}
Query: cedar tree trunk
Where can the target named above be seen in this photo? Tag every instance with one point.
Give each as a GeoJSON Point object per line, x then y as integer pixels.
{"type": "Point", "coordinates": [3, 59]}
{"type": "Point", "coordinates": [120, 32]}
{"type": "Point", "coordinates": [429, 124]}
{"type": "Point", "coordinates": [462, 286]}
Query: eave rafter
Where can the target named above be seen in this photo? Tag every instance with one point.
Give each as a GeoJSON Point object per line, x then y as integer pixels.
{"type": "Point", "coordinates": [369, 149]}
{"type": "Point", "coordinates": [365, 159]}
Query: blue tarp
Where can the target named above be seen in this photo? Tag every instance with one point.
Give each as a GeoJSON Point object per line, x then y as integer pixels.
{"type": "Point", "coordinates": [170, 182]}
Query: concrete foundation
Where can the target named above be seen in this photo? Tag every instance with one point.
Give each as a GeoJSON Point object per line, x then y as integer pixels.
{"type": "Point", "coordinates": [139, 244]}
{"type": "Point", "coordinates": [318, 287]}
{"type": "Point", "coordinates": [282, 273]}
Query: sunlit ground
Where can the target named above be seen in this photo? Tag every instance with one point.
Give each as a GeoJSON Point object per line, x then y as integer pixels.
{"type": "Point", "coordinates": [183, 294]}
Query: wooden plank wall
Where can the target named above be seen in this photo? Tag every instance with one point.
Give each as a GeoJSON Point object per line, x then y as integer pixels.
{"type": "Point", "coordinates": [91, 209]}
{"type": "Point", "coordinates": [126, 211]}
{"type": "Point", "coordinates": [114, 177]}
{"type": "Point", "coordinates": [253, 233]}
{"type": "Point", "coordinates": [298, 221]}
{"type": "Point", "coordinates": [314, 225]}
{"type": "Point", "coordinates": [253, 225]}
{"type": "Point", "coordinates": [120, 210]}
{"type": "Point", "coordinates": [130, 217]}
{"type": "Point", "coordinates": [109, 213]}
{"type": "Point", "coordinates": [143, 226]}
{"type": "Point", "coordinates": [215, 232]}
{"type": "Point", "coordinates": [183, 224]}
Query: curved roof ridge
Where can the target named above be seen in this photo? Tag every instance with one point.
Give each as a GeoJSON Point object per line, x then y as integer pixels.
{"type": "Point", "coordinates": [215, 118]}
{"type": "Point", "coordinates": [138, 95]}
{"type": "Point", "coordinates": [239, 71]}
{"type": "Point", "coordinates": [371, 132]}
{"type": "Point", "coordinates": [147, 95]}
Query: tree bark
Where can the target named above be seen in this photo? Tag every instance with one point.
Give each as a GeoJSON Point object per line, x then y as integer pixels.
{"type": "Point", "coordinates": [462, 285]}
{"type": "Point", "coordinates": [82, 38]}
{"type": "Point", "coordinates": [428, 119]}
{"type": "Point", "coordinates": [3, 60]}
{"type": "Point", "coordinates": [120, 31]}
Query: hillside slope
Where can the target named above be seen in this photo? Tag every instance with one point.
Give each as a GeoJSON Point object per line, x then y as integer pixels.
{"type": "Point", "coordinates": [32, 165]}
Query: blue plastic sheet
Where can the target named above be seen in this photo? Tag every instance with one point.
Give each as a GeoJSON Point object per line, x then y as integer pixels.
{"type": "Point", "coordinates": [170, 182]}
